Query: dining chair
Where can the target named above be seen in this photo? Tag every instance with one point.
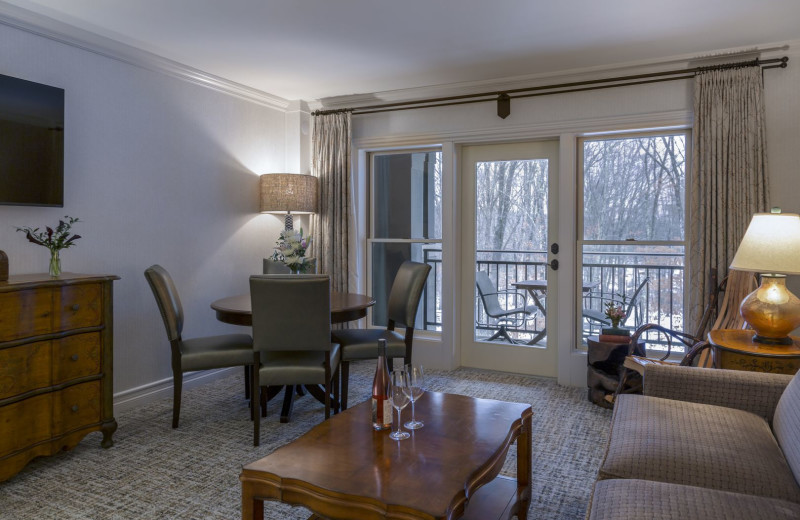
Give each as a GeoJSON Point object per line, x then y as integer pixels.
{"type": "Point", "coordinates": [402, 307]}
{"type": "Point", "coordinates": [189, 355]}
{"type": "Point", "coordinates": [292, 336]}
{"type": "Point", "coordinates": [513, 315]}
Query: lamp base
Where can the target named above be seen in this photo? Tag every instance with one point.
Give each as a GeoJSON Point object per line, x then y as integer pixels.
{"type": "Point", "coordinates": [772, 311]}
{"type": "Point", "coordinates": [772, 341]}
{"type": "Point", "coordinates": [288, 221]}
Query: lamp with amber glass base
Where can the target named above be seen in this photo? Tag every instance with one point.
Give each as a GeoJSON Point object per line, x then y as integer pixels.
{"type": "Point", "coordinates": [771, 246]}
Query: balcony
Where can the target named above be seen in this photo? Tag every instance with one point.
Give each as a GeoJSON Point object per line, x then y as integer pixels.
{"type": "Point", "coordinates": [614, 274]}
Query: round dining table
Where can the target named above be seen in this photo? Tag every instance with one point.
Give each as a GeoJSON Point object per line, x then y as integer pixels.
{"type": "Point", "coordinates": [237, 310]}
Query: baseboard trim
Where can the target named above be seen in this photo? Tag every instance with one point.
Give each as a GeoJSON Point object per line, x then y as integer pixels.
{"type": "Point", "coordinates": [146, 394]}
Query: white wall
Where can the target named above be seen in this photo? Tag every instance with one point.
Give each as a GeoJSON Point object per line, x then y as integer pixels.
{"type": "Point", "coordinates": [568, 115]}
{"type": "Point", "coordinates": [159, 170]}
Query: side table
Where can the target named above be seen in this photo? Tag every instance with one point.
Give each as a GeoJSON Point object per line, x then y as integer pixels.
{"type": "Point", "coordinates": [735, 349]}
{"type": "Point", "coordinates": [604, 368]}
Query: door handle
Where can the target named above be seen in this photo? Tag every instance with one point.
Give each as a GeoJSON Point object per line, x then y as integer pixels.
{"type": "Point", "coordinates": [553, 265]}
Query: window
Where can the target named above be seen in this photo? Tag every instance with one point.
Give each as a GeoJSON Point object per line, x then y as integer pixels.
{"type": "Point", "coordinates": [632, 227]}
{"type": "Point", "coordinates": [406, 224]}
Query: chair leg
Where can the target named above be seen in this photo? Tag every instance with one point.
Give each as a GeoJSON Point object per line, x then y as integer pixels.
{"type": "Point", "coordinates": [177, 384]}
{"type": "Point", "coordinates": [328, 399]}
{"type": "Point", "coordinates": [247, 370]}
{"type": "Point", "coordinates": [255, 391]}
{"type": "Point", "coordinates": [502, 333]}
{"type": "Point", "coordinates": [345, 375]}
{"type": "Point", "coordinates": [288, 402]}
{"type": "Point", "coordinates": [336, 402]}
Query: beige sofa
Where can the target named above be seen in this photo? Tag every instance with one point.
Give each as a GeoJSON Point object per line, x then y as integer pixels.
{"type": "Point", "coordinates": [703, 443]}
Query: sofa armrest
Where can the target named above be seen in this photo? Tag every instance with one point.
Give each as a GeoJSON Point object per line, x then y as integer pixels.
{"type": "Point", "coordinates": [754, 392]}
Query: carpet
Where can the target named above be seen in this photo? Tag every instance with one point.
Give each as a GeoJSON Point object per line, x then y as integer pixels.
{"type": "Point", "coordinates": [155, 472]}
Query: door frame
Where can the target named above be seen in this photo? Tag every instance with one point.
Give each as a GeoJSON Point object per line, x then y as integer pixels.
{"type": "Point", "coordinates": [535, 360]}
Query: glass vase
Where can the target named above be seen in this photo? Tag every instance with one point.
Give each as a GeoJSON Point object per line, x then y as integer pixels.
{"type": "Point", "coordinates": [55, 263]}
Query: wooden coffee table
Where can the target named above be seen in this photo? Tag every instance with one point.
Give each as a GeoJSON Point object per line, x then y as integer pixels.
{"type": "Point", "coordinates": [342, 469]}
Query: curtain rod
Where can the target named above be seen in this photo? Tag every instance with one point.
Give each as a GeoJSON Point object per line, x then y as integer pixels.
{"type": "Point", "coordinates": [504, 97]}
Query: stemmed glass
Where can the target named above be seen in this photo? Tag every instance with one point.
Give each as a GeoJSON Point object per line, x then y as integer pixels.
{"type": "Point", "coordinates": [414, 390]}
{"type": "Point", "coordinates": [399, 399]}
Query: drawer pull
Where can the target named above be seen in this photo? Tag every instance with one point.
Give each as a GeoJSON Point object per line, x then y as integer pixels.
{"type": "Point", "coordinates": [74, 407]}
{"type": "Point", "coordinates": [74, 357]}
{"type": "Point", "coordinates": [76, 307]}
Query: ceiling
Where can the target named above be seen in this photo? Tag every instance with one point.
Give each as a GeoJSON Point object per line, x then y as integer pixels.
{"type": "Point", "coordinates": [313, 49]}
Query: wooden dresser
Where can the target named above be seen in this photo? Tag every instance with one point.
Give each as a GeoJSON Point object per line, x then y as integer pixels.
{"type": "Point", "coordinates": [56, 383]}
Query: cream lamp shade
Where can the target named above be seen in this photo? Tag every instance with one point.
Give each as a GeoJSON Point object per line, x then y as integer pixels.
{"type": "Point", "coordinates": [771, 246]}
{"type": "Point", "coordinates": [288, 193]}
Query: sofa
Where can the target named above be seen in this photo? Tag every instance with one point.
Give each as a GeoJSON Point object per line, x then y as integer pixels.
{"type": "Point", "coordinates": [702, 443]}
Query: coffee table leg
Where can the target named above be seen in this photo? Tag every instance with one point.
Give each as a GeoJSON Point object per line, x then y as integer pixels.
{"type": "Point", "coordinates": [252, 508]}
{"type": "Point", "coordinates": [524, 466]}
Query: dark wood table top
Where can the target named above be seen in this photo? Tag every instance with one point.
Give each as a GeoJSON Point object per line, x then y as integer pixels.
{"type": "Point", "coordinates": [344, 469]}
{"type": "Point", "coordinates": [344, 307]}
{"type": "Point", "coordinates": [741, 340]}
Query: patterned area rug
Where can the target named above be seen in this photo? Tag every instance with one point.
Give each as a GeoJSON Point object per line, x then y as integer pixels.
{"type": "Point", "coordinates": [155, 472]}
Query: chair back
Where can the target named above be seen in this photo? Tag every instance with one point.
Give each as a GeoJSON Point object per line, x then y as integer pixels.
{"type": "Point", "coordinates": [291, 312]}
{"type": "Point", "coordinates": [488, 294]}
{"type": "Point", "coordinates": [169, 303]}
{"type": "Point", "coordinates": [406, 292]}
{"type": "Point", "coordinates": [634, 299]}
{"type": "Point", "coordinates": [273, 267]}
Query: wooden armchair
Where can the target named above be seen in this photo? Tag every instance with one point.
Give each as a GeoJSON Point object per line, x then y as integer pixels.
{"type": "Point", "coordinates": [734, 288]}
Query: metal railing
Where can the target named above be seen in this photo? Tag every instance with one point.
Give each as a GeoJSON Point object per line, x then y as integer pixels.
{"type": "Point", "coordinates": [612, 274]}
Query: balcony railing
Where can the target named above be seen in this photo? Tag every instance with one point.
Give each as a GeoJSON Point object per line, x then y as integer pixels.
{"type": "Point", "coordinates": [612, 275]}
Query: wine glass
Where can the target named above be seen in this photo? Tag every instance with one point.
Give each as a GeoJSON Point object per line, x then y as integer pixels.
{"type": "Point", "coordinates": [414, 390]}
{"type": "Point", "coordinates": [399, 399]}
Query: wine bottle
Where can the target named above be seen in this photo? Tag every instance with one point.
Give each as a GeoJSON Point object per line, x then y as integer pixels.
{"type": "Point", "coordinates": [381, 407]}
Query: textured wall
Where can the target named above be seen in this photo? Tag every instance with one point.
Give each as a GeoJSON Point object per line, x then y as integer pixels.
{"type": "Point", "coordinates": [160, 171]}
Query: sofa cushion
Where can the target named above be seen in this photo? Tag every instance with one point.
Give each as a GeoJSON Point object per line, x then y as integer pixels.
{"type": "Point", "coordinates": [786, 424]}
{"type": "Point", "coordinates": [636, 499]}
{"type": "Point", "coordinates": [697, 445]}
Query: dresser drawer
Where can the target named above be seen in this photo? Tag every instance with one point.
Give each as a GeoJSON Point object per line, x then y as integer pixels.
{"type": "Point", "coordinates": [25, 423]}
{"type": "Point", "coordinates": [78, 306]}
{"type": "Point", "coordinates": [24, 368]}
{"type": "Point", "coordinates": [76, 356]}
{"type": "Point", "coordinates": [75, 407]}
{"type": "Point", "coordinates": [25, 313]}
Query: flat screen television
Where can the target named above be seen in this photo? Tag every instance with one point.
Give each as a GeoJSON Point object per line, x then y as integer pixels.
{"type": "Point", "coordinates": [31, 143]}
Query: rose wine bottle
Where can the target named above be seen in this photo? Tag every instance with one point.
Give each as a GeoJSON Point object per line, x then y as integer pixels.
{"type": "Point", "coordinates": [381, 407]}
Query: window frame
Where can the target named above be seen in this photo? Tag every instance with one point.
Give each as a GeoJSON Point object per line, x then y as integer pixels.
{"type": "Point", "coordinates": [370, 220]}
{"type": "Point", "coordinates": [581, 242]}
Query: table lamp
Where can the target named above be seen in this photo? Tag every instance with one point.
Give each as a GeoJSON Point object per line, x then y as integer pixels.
{"type": "Point", "coordinates": [771, 246]}
{"type": "Point", "coordinates": [287, 193]}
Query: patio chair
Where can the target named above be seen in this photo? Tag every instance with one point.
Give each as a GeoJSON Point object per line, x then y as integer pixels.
{"type": "Point", "coordinates": [595, 317]}
{"type": "Point", "coordinates": [508, 317]}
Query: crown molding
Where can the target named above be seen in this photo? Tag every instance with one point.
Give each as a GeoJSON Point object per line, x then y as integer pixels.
{"type": "Point", "coordinates": [50, 28]}
{"type": "Point", "coordinates": [768, 50]}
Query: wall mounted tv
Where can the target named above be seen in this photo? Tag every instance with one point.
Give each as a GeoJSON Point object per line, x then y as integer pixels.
{"type": "Point", "coordinates": [31, 143]}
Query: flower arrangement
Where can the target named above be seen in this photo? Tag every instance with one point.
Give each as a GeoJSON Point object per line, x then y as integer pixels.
{"type": "Point", "coordinates": [291, 250]}
{"type": "Point", "coordinates": [53, 239]}
{"type": "Point", "coordinates": [615, 313]}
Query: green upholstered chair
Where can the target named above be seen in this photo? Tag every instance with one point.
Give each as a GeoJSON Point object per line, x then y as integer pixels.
{"type": "Point", "coordinates": [292, 335]}
{"type": "Point", "coordinates": [401, 311]}
{"type": "Point", "coordinates": [189, 355]}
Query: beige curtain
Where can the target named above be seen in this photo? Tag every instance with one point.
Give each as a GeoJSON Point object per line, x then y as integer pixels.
{"type": "Point", "coordinates": [333, 224]}
{"type": "Point", "coordinates": [729, 181]}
